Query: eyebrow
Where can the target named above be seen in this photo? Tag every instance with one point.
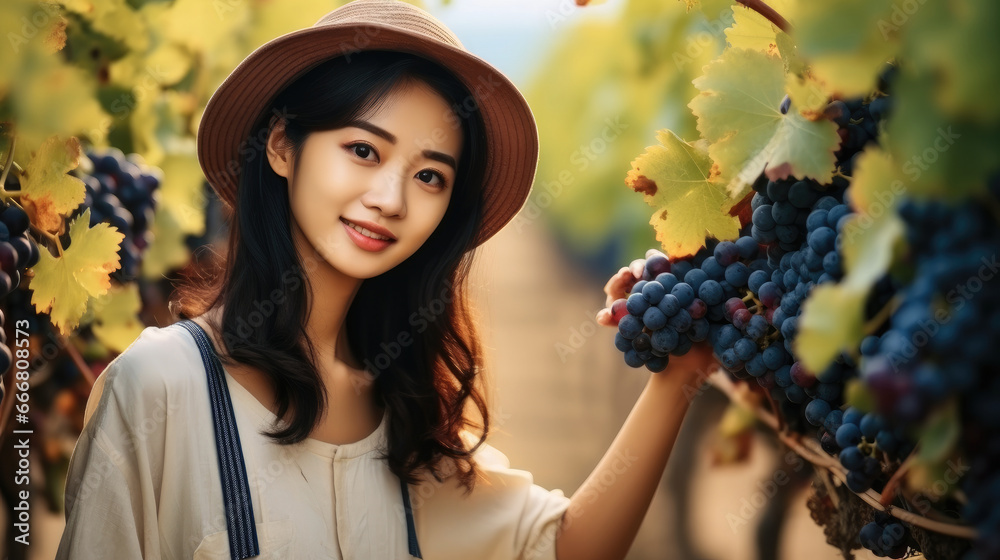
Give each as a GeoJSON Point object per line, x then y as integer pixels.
{"type": "Point", "coordinates": [378, 131]}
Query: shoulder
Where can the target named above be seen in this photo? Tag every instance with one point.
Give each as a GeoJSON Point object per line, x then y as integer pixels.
{"type": "Point", "coordinates": [160, 365]}
{"type": "Point", "coordinates": [486, 456]}
{"type": "Point", "coordinates": [158, 360]}
{"type": "Point", "coordinates": [494, 470]}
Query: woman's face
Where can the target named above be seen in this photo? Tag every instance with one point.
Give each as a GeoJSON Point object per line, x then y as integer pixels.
{"type": "Point", "coordinates": [392, 172]}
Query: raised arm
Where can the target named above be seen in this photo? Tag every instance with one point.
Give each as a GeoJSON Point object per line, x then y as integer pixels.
{"type": "Point", "coordinates": [606, 511]}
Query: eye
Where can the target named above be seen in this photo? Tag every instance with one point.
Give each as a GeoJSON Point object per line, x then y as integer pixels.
{"type": "Point", "coordinates": [428, 174]}
{"type": "Point", "coordinates": [362, 150]}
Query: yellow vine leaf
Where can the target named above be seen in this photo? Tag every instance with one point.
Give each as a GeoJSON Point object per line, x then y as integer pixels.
{"type": "Point", "coordinates": [116, 317]}
{"type": "Point", "coordinates": [47, 191]}
{"type": "Point", "coordinates": [808, 95]}
{"type": "Point", "coordinates": [750, 30]}
{"type": "Point", "coordinates": [62, 286]}
{"type": "Point", "coordinates": [677, 178]}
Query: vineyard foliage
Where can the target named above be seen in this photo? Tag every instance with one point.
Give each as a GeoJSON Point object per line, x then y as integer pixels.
{"type": "Point", "coordinates": [129, 74]}
{"type": "Point", "coordinates": [887, 308]}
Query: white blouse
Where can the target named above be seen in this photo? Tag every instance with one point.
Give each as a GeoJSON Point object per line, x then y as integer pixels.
{"type": "Point", "coordinates": [144, 480]}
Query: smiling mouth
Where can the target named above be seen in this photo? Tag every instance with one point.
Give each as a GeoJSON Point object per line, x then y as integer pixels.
{"type": "Point", "coordinates": [364, 231]}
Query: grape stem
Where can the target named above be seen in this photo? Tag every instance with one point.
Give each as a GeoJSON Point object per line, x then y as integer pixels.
{"type": "Point", "coordinates": [892, 487]}
{"type": "Point", "coordinates": [775, 408]}
{"type": "Point", "coordinates": [808, 448]}
{"type": "Point", "coordinates": [768, 12]}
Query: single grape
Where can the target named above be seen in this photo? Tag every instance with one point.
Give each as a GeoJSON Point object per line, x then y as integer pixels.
{"type": "Point", "coordinates": [618, 310]}
{"type": "Point", "coordinates": [654, 319]}
{"type": "Point", "coordinates": [15, 219]}
{"type": "Point", "coordinates": [630, 326]}
{"type": "Point", "coordinates": [684, 294]}
{"type": "Point", "coordinates": [711, 292]}
{"type": "Point", "coordinates": [653, 292]}
{"type": "Point", "coordinates": [669, 305]}
{"type": "Point", "coordinates": [655, 265]}
{"type": "Point", "coordinates": [726, 253]}
{"type": "Point", "coordinates": [697, 309]}
{"type": "Point", "coordinates": [637, 304]}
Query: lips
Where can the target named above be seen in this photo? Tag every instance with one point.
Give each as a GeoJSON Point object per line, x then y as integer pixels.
{"type": "Point", "coordinates": [370, 230]}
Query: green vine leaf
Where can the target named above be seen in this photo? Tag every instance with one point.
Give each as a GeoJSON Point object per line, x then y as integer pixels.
{"type": "Point", "coordinates": [832, 319]}
{"type": "Point", "coordinates": [738, 112]}
{"type": "Point", "coordinates": [846, 42]}
{"type": "Point", "coordinates": [939, 434]}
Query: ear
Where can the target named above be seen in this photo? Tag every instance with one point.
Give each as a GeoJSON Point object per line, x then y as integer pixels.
{"type": "Point", "coordinates": [278, 148]}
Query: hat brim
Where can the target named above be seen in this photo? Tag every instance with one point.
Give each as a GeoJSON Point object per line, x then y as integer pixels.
{"type": "Point", "coordinates": [511, 134]}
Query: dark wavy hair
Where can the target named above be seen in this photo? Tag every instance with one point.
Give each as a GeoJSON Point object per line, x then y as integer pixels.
{"type": "Point", "coordinates": [427, 385]}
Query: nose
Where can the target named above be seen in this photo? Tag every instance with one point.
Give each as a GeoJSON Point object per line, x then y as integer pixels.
{"type": "Point", "coordinates": [387, 193]}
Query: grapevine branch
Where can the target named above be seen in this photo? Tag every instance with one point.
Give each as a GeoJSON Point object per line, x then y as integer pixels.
{"type": "Point", "coordinates": [809, 450]}
{"type": "Point", "coordinates": [6, 410]}
{"type": "Point", "coordinates": [77, 359]}
{"type": "Point", "coordinates": [6, 165]}
{"type": "Point", "coordinates": [768, 12]}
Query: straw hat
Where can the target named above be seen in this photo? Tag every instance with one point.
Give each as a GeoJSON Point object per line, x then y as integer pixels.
{"type": "Point", "coordinates": [512, 139]}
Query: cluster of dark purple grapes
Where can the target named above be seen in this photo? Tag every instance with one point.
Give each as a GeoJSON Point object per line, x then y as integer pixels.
{"type": "Point", "coordinates": [750, 295]}
{"type": "Point", "coordinates": [122, 191]}
{"type": "Point", "coordinates": [18, 251]}
{"type": "Point", "coordinates": [885, 536]}
{"type": "Point", "coordinates": [662, 316]}
{"type": "Point", "coordinates": [857, 437]}
{"type": "Point", "coordinates": [941, 340]}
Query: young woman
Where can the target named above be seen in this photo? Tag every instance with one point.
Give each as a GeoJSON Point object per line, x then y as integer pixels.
{"type": "Point", "coordinates": [365, 158]}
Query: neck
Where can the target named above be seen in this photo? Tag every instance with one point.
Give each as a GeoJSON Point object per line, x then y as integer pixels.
{"type": "Point", "coordinates": [331, 297]}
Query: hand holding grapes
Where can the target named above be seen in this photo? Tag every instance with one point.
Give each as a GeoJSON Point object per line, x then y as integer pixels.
{"type": "Point", "coordinates": [605, 527]}
{"type": "Point", "coordinates": [670, 328]}
{"type": "Point", "coordinates": [619, 286]}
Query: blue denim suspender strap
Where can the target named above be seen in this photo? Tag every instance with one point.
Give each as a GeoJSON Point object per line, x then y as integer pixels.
{"type": "Point", "coordinates": [235, 487]}
{"type": "Point", "coordinates": [411, 530]}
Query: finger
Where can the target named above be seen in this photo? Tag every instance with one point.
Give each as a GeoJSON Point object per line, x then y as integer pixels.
{"type": "Point", "coordinates": [612, 287]}
{"type": "Point", "coordinates": [604, 318]}
{"type": "Point", "coordinates": [651, 252]}
{"type": "Point", "coordinates": [621, 286]}
{"type": "Point", "coordinates": [636, 267]}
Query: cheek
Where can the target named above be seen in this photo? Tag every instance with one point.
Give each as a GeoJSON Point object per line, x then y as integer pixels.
{"type": "Point", "coordinates": [435, 213]}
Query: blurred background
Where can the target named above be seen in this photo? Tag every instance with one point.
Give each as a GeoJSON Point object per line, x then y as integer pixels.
{"type": "Point", "coordinates": [601, 81]}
